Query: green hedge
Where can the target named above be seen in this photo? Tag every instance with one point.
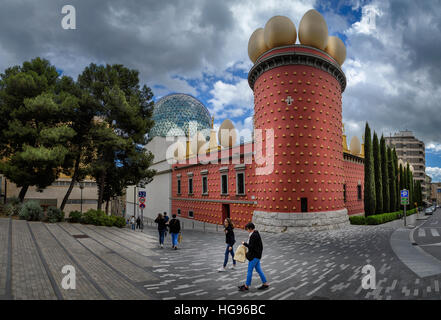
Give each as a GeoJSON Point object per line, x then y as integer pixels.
{"type": "Point", "coordinates": [99, 218]}
{"type": "Point", "coordinates": [379, 218]}
{"type": "Point", "coordinates": [358, 220]}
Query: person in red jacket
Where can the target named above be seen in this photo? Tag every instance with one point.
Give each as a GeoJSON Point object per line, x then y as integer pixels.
{"type": "Point", "coordinates": [254, 254]}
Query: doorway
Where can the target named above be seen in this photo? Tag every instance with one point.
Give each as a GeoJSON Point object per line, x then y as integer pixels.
{"type": "Point", "coordinates": [304, 204]}
{"type": "Point", "coordinates": [225, 212]}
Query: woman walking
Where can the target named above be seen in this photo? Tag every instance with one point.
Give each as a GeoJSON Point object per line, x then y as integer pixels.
{"type": "Point", "coordinates": [230, 241]}
{"type": "Point", "coordinates": [161, 229]}
{"type": "Point", "coordinates": [132, 222]}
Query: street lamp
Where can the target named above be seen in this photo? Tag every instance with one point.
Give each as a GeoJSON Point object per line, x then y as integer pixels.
{"type": "Point", "coordinates": [81, 189]}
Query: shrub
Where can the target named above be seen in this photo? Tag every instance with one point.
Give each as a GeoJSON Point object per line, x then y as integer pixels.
{"type": "Point", "coordinates": [358, 220]}
{"type": "Point", "coordinates": [99, 218]}
{"type": "Point", "coordinates": [107, 221]}
{"type": "Point", "coordinates": [119, 222]}
{"type": "Point", "coordinates": [75, 216]}
{"type": "Point", "coordinates": [54, 215]}
{"type": "Point", "coordinates": [95, 217]}
{"type": "Point", "coordinates": [31, 211]}
{"type": "Point", "coordinates": [13, 206]}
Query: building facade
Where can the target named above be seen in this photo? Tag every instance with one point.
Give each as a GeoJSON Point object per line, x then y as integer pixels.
{"type": "Point", "coordinates": [410, 149]}
{"type": "Point", "coordinates": [297, 173]}
{"type": "Point", "coordinates": [84, 198]}
{"type": "Point", "coordinates": [435, 194]}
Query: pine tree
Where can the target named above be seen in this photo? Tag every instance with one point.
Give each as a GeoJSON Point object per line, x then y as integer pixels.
{"type": "Point", "coordinates": [34, 131]}
{"type": "Point", "coordinates": [392, 181]}
{"type": "Point", "coordinates": [369, 174]}
{"type": "Point", "coordinates": [385, 175]}
{"type": "Point", "coordinates": [378, 175]}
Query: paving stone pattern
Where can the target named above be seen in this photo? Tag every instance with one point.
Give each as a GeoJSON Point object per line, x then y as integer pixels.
{"type": "Point", "coordinates": [113, 263]}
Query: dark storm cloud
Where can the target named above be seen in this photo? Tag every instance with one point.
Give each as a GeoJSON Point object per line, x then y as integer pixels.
{"type": "Point", "coordinates": [159, 38]}
{"type": "Point", "coordinates": [401, 65]}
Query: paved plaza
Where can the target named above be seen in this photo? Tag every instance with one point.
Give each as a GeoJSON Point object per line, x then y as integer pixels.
{"type": "Point", "coordinates": [113, 263]}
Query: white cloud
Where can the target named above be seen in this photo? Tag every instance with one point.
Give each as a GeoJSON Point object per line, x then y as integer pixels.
{"type": "Point", "coordinates": [367, 25]}
{"type": "Point", "coordinates": [434, 173]}
{"type": "Point", "coordinates": [231, 100]}
{"type": "Point", "coordinates": [433, 147]}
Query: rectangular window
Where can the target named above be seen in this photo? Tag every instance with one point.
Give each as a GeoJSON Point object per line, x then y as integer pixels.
{"type": "Point", "coordinates": [359, 192]}
{"type": "Point", "coordinates": [179, 212]}
{"type": "Point", "coordinates": [240, 183]}
{"type": "Point", "coordinates": [179, 186]}
{"type": "Point", "coordinates": [190, 185]}
{"type": "Point", "coordinates": [204, 185]}
{"type": "Point", "coordinates": [304, 204]}
{"type": "Point", "coordinates": [344, 192]}
{"type": "Point", "coordinates": [191, 214]}
{"type": "Point", "coordinates": [224, 184]}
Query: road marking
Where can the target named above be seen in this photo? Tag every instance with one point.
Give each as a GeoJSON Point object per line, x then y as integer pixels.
{"type": "Point", "coordinates": [421, 232]}
{"type": "Point", "coordinates": [434, 232]}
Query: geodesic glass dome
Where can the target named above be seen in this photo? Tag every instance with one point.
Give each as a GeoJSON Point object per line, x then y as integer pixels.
{"type": "Point", "coordinates": [173, 115]}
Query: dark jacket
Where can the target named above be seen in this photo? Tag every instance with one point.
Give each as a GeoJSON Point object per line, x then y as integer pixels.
{"type": "Point", "coordinates": [255, 246]}
{"type": "Point", "coordinates": [161, 224]}
{"type": "Point", "coordinates": [229, 236]}
{"type": "Point", "coordinates": [174, 226]}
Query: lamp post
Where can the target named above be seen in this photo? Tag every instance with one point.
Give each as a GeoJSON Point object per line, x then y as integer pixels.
{"type": "Point", "coordinates": [81, 190]}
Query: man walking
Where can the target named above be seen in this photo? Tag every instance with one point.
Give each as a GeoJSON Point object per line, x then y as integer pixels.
{"type": "Point", "coordinates": [254, 254]}
{"type": "Point", "coordinates": [175, 227]}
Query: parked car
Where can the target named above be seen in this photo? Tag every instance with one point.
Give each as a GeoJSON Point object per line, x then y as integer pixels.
{"type": "Point", "coordinates": [429, 211]}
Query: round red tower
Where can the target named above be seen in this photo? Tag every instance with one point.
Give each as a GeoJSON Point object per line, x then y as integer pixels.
{"type": "Point", "coordinates": [297, 93]}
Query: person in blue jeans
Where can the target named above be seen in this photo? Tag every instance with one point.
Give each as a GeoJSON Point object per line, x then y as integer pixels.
{"type": "Point", "coordinates": [230, 241]}
{"type": "Point", "coordinates": [161, 229]}
{"type": "Point", "coordinates": [254, 254]}
{"type": "Point", "coordinates": [166, 218]}
{"type": "Point", "coordinates": [174, 226]}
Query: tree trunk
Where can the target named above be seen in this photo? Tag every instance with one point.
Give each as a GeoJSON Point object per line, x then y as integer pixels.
{"type": "Point", "coordinates": [72, 183]}
{"type": "Point", "coordinates": [22, 193]}
{"type": "Point", "coordinates": [101, 182]}
{"type": "Point", "coordinates": [107, 207]}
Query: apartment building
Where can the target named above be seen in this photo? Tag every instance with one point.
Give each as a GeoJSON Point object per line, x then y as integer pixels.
{"type": "Point", "coordinates": [410, 149]}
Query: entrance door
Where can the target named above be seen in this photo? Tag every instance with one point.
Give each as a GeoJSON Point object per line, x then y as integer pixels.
{"type": "Point", "coordinates": [304, 204]}
{"type": "Point", "coordinates": [225, 212]}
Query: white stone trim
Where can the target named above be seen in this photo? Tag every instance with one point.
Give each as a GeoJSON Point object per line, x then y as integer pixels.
{"type": "Point", "coordinates": [298, 221]}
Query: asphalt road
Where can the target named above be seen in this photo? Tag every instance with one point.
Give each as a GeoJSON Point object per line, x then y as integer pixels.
{"type": "Point", "coordinates": [428, 235]}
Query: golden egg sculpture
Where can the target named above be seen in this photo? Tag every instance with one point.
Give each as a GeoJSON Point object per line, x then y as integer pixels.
{"type": "Point", "coordinates": [355, 146]}
{"type": "Point", "coordinates": [279, 31]}
{"type": "Point", "coordinates": [256, 44]}
{"type": "Point", "coordinates": [227, 134]}
{"type": "Point", "coordinates": [336, 49]}
{"type": "Point", "coordinates": [180, 151]}
{"type": "Point", "coordinates": [196, 142]}
{"type": "Point", "coordinates": [313, 30]}
{"type": "Point", "coordinates": [202, 143]}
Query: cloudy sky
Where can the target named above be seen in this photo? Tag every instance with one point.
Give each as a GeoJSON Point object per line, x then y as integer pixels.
{"type": "Point", "coordinates": [199, 47]}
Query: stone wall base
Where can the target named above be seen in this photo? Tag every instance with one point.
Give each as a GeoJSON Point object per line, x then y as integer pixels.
{"type": "Point", "coordinates": [294, 221]}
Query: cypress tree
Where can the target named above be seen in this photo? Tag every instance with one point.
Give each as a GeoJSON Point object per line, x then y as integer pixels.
{"type": "Point", "coordinates": [369, 175]}
{"type": "Point", "coordinates": [410, 184]}
{"type": "Point", "coordinates": [385, 175]}
{"type": "Point", "coordinates": [401, 177]}
{"type": "Point", "coordinates": [378, 175]}
{"type": "Point", "coordinates": [396, 175]}
{"type": "Point", "coordinates": [392, 181]}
